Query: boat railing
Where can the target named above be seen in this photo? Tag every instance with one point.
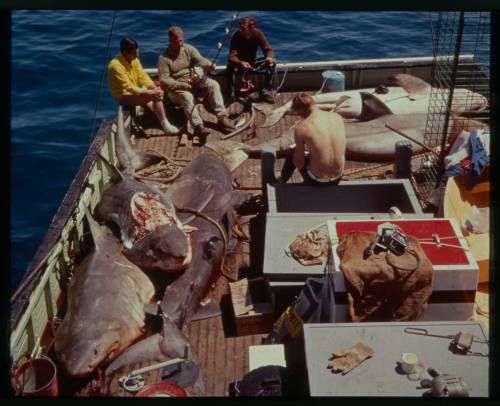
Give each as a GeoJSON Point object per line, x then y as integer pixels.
{"type": "Point", "coordinates": [65, 243]}
{"type": "Point", "coordinates": [359, 73]}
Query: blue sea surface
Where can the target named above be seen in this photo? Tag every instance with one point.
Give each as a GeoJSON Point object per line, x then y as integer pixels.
{"type": "Point", "coordinates": [57, 63]}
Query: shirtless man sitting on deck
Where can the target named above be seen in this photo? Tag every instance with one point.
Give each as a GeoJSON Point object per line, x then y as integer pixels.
{"type": "Point", "coordinates": [320, 144]}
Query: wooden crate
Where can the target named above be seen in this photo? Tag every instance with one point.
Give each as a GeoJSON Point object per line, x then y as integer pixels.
{"type": "Point", "coordinates": [252, 309]}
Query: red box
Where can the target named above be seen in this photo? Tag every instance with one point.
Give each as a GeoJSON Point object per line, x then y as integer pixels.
{"type": "Point", "coordinates": [455, 275]}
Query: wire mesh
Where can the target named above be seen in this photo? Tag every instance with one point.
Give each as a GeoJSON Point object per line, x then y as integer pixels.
{"type": "Point", "coordinates": [460, 94]}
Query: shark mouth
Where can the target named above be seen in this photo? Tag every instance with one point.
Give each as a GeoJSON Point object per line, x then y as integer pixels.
{"type": "Point", "coordinates": [148, 214]}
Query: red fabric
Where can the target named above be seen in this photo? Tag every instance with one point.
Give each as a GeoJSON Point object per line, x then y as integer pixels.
{"type": "Point", "coordinates": [420, 229]}
{"type": "Point", "coordinates": [465, 163]}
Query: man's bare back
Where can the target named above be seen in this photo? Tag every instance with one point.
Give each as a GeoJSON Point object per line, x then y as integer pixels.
{"type": "Point", "coordinates": [323, 135]}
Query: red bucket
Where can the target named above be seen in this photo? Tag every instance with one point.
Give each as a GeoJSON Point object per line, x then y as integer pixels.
{"type": "Point", "coordinates": [37, 377]}
{"type": "Point", "coordinates": [162, 389]}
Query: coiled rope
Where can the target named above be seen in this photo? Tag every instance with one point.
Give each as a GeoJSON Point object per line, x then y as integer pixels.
{"type": "Point", "coordinates": [99, 94]}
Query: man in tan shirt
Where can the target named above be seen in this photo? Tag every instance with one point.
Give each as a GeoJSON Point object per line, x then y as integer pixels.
{"type": "Point", "coordinates": [174, 69]}
{"type": "Point", "coordinates": [320, 144]}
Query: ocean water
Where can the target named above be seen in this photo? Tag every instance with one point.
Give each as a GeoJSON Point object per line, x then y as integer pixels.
{"type": "Point", "coordinates": [57, 62]}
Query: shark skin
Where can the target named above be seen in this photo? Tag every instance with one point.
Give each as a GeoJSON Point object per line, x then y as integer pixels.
{"type": "Point", "coordinates": [106, 299]}
{"type": "Point", "coordinates": [406, 94]}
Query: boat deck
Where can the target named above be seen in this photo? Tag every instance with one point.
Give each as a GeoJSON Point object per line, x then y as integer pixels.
{"type": "Point", "coordinates": [223, 356]}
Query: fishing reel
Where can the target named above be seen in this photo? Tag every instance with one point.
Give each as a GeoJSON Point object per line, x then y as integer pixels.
{"type": "Point", "coordinates": [195, 75]}
{"type": "Point", "coordinates": [389, 238]}
{"type": "Point", "coordinates": [445, 385]}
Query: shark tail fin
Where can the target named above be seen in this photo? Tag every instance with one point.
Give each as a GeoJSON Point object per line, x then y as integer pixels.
{"type": "Point", "coordinates": [233, 153]}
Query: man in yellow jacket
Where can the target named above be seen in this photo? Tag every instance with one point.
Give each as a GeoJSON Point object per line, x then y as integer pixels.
{"type": "Point", "coordinates": [131, 86]}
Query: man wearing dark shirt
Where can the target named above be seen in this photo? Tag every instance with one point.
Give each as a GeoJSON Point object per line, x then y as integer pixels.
{"type": "Point", "coordinates": [243, 53]}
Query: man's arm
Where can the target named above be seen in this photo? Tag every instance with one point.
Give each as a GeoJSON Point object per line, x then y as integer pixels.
{"type": "Point", "coordinates": [165, 75]}
{"type": "Point", "coordinates": [143, 77]}
{"type": "Point", "coordinates": [196, 58]}
{"type": "Point", "coordinates": [120, 80]}
{"type": "Point", "coordinates": [233, 51]}
{"type": "Point", "coordinates": [264, 44]}
{"type": "Point", "coordinates": [298, 154]}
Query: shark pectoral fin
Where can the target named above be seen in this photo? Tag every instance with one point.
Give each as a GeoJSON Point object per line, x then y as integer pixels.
{"type": "Point", "coordinates": [145, 350]}
{"type": "Point", "coordinates": [191, 192]}
{"type": "Point", "coordinates": [206, 312]}
{"type": "Point", "coordinates": [275, 116]}
{"type": "Point", "coordinates": [146, 158]}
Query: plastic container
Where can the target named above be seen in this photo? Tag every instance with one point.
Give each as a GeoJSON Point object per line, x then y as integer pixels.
{"type": "Point", "coordinates": [334, 81]}
{"type": "Point", "coordinates": [478, 221]}
{"type": "Point", "coordinates": [162, 389]}
{"type": "Point", "coordinates": [37, 378]}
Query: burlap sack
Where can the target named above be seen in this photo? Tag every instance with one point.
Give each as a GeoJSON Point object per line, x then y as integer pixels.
{"type": "Point", "coordinates": [383, 287]}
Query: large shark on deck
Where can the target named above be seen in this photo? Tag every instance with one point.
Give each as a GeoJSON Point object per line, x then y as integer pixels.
{"type": "Point", "coordinates": [369, 141]}
{"type": "Point", "coordinates": [370, 126]}
{"type": "Point", "coordinates": [106, 299]}
{"type": "Point", "coordinates": [406, 94]}
{"type": "Point", "coordinates": [152, 232]}
{"type": "Point", "coordinates": [182, 297]}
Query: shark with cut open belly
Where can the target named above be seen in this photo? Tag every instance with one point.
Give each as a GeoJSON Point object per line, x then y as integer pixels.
{"type": "Point", "coordinates": [406, 94]}
{"type": "Point", "coordinates": [153, 234]}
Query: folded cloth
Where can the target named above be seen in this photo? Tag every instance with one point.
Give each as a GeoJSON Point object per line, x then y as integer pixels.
{"type": "Point", "coordinates": [349, 358]}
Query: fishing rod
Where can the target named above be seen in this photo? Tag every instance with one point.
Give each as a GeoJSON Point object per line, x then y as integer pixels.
{"type": "Point", "coordinates": [220, 45]}
{"type": "Point", "coordinates": [108, 46]}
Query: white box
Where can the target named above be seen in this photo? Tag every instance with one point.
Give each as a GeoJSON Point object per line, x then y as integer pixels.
{"type": "Point", "coordinates": [262, 355]}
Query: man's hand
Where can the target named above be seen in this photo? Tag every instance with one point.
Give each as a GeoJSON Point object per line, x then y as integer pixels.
{"type": "Point", "coordinates": [270, 61]}
{"type": "Point", "coordinates": [245, 65]}
{"type": "Point", "coordinates": [184, 86]}
{"type": "Point", "coordinates": [157, 93]}
{"type": "Point", "coordinates": [211, 68]}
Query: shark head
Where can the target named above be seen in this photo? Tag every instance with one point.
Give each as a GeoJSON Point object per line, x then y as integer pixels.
{"type": "Point", "coordinates": [81, 354]}
{"type": "Point", "coordinates": [166, 249]}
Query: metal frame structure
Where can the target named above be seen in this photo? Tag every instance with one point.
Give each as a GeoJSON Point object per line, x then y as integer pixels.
{"type": "Point", "coordinates": [456, 33]}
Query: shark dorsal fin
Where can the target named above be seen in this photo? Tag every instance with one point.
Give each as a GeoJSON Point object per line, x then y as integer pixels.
{"type": "Point", "coordinates": [372, 107]}
{"type": "Point", "coordinates": [95, 228]}
{"type": "Point", "coordinates": [116, 175]}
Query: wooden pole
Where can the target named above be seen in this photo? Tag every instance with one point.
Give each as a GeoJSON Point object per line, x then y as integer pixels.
{"type": "Point", "coordinates": [412, 139]}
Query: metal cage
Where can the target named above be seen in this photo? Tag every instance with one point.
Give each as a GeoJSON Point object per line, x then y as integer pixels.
{"type": "Point", "coordinates": [461, 46]}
